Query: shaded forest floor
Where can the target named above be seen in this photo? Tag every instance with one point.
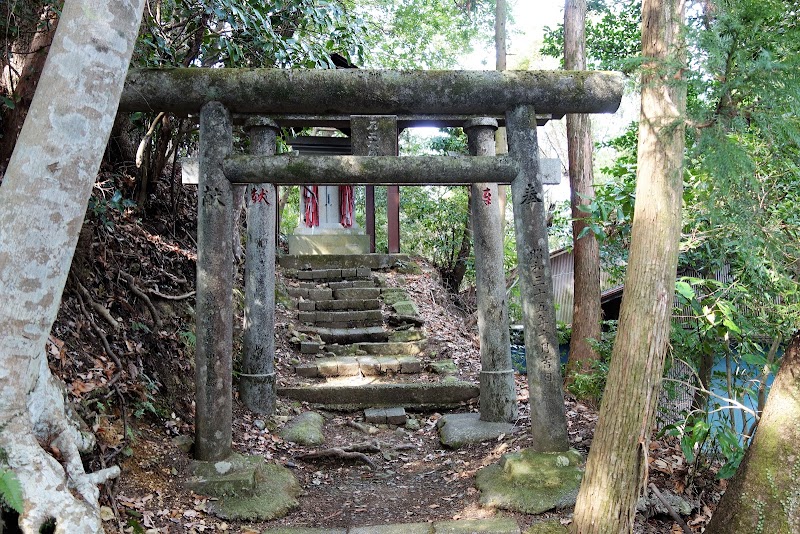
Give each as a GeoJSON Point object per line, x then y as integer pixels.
{"type": "Point", "coordinates": [123, 344]}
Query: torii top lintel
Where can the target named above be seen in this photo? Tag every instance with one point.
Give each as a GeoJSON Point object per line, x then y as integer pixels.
{"type": "Point", "coordinates": [336, 92]}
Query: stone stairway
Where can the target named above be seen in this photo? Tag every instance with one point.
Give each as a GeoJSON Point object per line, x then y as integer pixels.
{"type": "Point", "coordinates": [362, 344]}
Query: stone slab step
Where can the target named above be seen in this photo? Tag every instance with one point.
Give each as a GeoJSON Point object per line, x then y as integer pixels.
{"type": "Point", "coordinates": [421, 395]}
{"type": "Point", "coordinates": [345, 336]}
{"type": "Point", "coordinates": [359, 365]}
{"type": "Point", "coordinates": [335, 275]}
{"type": "Point", "coordinates": [342, 261]}
{"type": "Point", "coordinates": [493, 525]}
{"type": "Point", "coordinates": [310, 294]}
{"type": "Point", "coordinates": [348, 304]}
{"type": "Point", "coordinates": [357, 293]}
{"type": "Point", "coordinates": [346, 284]}
{"type": "Point", "coordinates": [393, 348]}
{"type": "Point", "coordinates": [342, 318]}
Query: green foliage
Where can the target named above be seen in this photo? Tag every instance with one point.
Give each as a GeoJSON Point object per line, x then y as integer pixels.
{"type": "Point", "coordinates": [407, 34]}
{"type": "Point", "coordinates": [613, 35]}
{"type": "Point", "coordinates": [100, 205]}
{"type": "Point", "coordinates": [252, 33]}
{"type": "Point", "coordinates": [589, 386]}
{"type": "Point", "coordinates": [11, 491]}
{"type": "Point", "coordinates": [701, 439]}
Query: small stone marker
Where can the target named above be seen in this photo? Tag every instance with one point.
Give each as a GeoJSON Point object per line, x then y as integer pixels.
{"type": "Point", "coordinates": [392, 416]}
{"type": "Point", "coordinates": [550, 171]}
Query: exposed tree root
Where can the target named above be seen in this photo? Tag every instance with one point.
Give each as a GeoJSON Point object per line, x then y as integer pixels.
{"type": "Point", "coordinates": [136, 290]}
{"type": "Point", "coordinates": [52, 488]}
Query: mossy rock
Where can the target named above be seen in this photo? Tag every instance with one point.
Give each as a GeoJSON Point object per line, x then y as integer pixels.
{"type": "Point", "coordinates": [531, 482]}
{"type": "Point", "coordinates": [443, 367]}
{"type": "Point", "coordinates": [305, 429]}
{"type": "Point", "coordinates": [405, 307]}
{"type": "Point", "coordinates": [245, 488]}
{"type": "Point", "coordinates": [393, 296]}
{"type": "Point", "coordinates": [274, 495]}
{"type": "Point", "coordinates": [407, 267]}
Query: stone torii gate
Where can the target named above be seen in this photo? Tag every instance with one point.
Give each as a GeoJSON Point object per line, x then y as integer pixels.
{"type": "Point", "coordinates": [374, 103]}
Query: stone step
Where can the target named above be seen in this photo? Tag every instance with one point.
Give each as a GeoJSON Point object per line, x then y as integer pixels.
{"type": "Point", "coordinates": [420, 395]}
{"type": "Point", "coordinates": [342, 319]}
{"type": "Point", "coordinates": [360, 293]}
{"type": "Point", "coordinates": [336, 275]}
{"type": "Point", "coordinates": [359, 365]}
{"type": "Point", "coordinates": [310, 294]}
{"type": "Point", "coordinates": [345, 336]}
{"type": "Point", "coordinates": [346, 284]}
{"type": "Point", "coordinates": [393, 348]}
{"type": "Point", "coordinates": [342, 261]}
{"type": "Point", "coordinates": [339, 305]}
{"type": "Point", "coordinates": [493, 525]}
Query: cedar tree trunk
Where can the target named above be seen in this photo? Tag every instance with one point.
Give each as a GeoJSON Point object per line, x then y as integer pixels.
{"type": "Point", "coordinates": [586, 285]}
{"type": "Point", "coordinates": [42, 204]}
{"type": "Point", "coordinates": [616, 470]}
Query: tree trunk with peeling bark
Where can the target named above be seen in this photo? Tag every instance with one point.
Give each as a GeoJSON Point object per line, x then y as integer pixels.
{"type": "Point", "coordinates": [616, 470]}
{"type": "Point", "coordinates": [586, 251]}
{"type": "Point", "coordinates": [43, 200]}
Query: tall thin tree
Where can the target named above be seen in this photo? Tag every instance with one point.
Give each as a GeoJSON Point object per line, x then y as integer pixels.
{"type": "Point", "coordinates": [586, 250]}
{"type": "Point", "coordinates": [43, 200]}
{"type": "Point", "coordinates": [616, 470]}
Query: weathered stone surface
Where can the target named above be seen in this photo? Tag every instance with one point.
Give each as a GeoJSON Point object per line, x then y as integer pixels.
{"type": "Point", "coordinates": [396, 415]}
{"type": "Point", "coordinates": [305, 429]}
{"type": "Point", "coordinates": [390, 295]}
{"type": "Point", "coordinates": [357, 293]}
{"type": "Point", "coordinates": [553, 526]}
{"type": "Point", "coordinates": [351, 335]}
{"type": "Point", "coordinates": [531, 482]}
{"type": "Point", "coordinates": [348, 366]}
{"type": "Point", "coordinates": [320, 261]}
{"type": "Point", "coordinates": [412, 334]}
{"type": "Point", "coordinates": [392, 349]}
{"type": "Point", "coordinates": [350, 283]}
{"type": "Point", "coordinates": [365, 92]}
{"type": "Point", "coordinates": [245, 488]}
{"type": "Point", "coordinates": [349, 317]}
{"type": "Point", "coordinates": [405, 307]}
{"type": "Point", "coordinates": [409, 365]}
{"type": "Point", "coordinates": [363, 272]}
{"type": "Point", "coordinates": [389, 364]}
{"type": "Point", "coordinates": [353, 244]}
{"type": "Point", "coordinates": [375, 415]}
{"type": "Point", "coordinates": [497, 525]}
{"type": "Point", "coordinates": [306, 305]}
{"type": "Point", "coordinates": [459, 429]}
{"type": "Point", "coordinates": [417, 395]}
{"type": "Point", "coordinates": [305, 530]}
{"type": "Point", "coordinates": [403, 528]}
{"type": "Point", "coordinates": [320, 294]}
{"type": "Point", "coordinates": [307, 370]}
{"type": "Point", "coordinates": [309, 347]}
{"type": "Point", "coordinates": [328, 367]}
{"type": "Point", "coordinates": [369, 365]}
{"type": "Point", "coordinates": [353, 304]}
{"type": "Point", "coordinates": [443, 367]}
{"type": "Point", "coordinates": [651, 505]}
{"type": "Point", "coordinates": [307, 317]}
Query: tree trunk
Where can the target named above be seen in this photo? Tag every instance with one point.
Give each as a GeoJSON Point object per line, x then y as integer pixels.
{"type": "Point", "coordinates": [31, 69]}
{"type": "Point", "coordinates": [616, 470]}
{"type": "Point", "coordinates": [500, 138]}
{"type": "Point", "coordinates": [42, 204]}
{"type": "Point", "coordinates": [586, 285]}
{"type": "Point", "coordinates": [764, 494]}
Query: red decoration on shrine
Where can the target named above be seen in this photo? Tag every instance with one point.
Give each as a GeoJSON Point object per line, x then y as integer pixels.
{"type": "Point", "coordinates": [347, 205]}
{"type": "Point", "coordinates": [311, 205]}
{"type": "Point", "coordinates": [259, 196]}
{"type": "Point", "coordinates": [487, 196]}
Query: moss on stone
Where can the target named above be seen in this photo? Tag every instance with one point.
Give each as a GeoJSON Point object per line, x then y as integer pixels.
{"type": "Point", "coordinates": [305, 429]}
{"type": "Point", "coordinates": [531, 482]}
{"type": "Point", "coordinates": [548, 527]}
